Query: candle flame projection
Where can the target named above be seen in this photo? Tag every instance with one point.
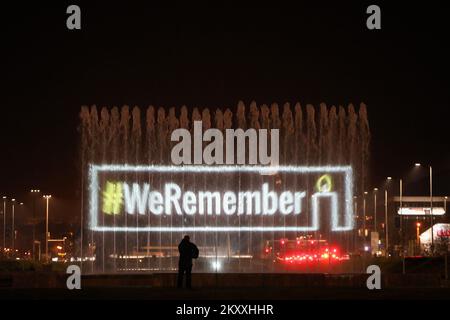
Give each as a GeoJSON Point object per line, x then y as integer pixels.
{"type": "Point", "coordinates": [309, 137]}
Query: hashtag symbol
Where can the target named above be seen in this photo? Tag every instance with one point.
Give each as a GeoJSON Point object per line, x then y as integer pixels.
{"type": "Point", "coordinates": [112, 198]}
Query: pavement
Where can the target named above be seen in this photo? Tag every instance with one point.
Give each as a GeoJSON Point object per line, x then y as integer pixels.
{"type": "Point", "coordinates": [146, 293]}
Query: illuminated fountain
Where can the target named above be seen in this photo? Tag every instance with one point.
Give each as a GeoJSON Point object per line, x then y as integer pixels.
{"type": "Point", "coordinates": [319, 154]}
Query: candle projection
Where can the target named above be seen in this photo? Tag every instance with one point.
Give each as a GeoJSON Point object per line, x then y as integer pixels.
{"type": "Point", "coordinates": [280, 196]}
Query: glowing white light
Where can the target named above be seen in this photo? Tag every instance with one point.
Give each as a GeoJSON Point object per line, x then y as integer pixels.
{"type": "Point", "coordinates": [213, 256]}
{"type": "Point", "coordinates": [248, 202]}
{"type": "Point", "coordinates": [421, 211]}
{"type": "Point", "coordinates": [135, 197]}
{"type": "Point", "coordinates": [216, 265]}
{"type": "Point", "coordinates": [347, 225]}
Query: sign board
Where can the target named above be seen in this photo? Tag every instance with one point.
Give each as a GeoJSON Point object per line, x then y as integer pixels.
{"type": "Point", "coordinates": [420, 211]}
{"type": "Point", "coordinates": [125, 198]}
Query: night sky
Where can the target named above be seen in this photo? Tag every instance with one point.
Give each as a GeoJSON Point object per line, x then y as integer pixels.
{"type": "Point", "coordinates": [136, 54]}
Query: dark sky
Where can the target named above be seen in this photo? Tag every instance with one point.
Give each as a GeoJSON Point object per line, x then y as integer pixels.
{"type": "Point", "coordinates": [136, 54]}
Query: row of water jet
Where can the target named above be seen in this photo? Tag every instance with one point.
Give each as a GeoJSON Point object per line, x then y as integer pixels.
{"type": "Point", "coordinates": [327, 135]}
{"type": "Point", "coordinates": [308, 136]}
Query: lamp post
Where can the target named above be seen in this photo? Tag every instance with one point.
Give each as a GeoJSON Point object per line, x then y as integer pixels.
{"type": "Point", "coordinates": [364, 214]}
{"type": "Point", "coordinates": [47, 198]}
{"type": "Point", "coordinates": [386, 223]}
{"type": "Point", "coordinates": [13, 227]}
{"type": "Point", "coordinates": [389, 179]}
{"type": "Point", "coordinates": [355, 208]}
{"type": "Point", "coordinates": [431, 210]}
{"type": "Point", "coordinates": [34, 192]}
{"type": "Point", "coordinates": [375, 209]}
{"type": "Point", "coordinates": [401, 216]}
{"type": "Point", "coordinates": [4, 222]}
{"type": "Point", "coordinates": [431, 205]}
{"type": "Point", "coordinates": [401, 201]}
{"type": "Point", "coordinates": [20, 212]}
{"type": "Point", "coordinates": [401, 227]}
{"type": "Point", "coordinates": [445, 204]}
{"type": "Point", "coordinates": [386, 219]}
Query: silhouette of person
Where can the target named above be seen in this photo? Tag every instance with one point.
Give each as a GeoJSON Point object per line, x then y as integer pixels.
{"type": "Point", "coordinates": [188, 251]}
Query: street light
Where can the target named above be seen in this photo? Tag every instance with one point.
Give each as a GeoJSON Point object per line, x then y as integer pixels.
{"type": "Point", "coordinates": [15, 231]}
{"type": "Point", "coordinates": [431, 205]}
{"type": "Point", "coordinates": [356, 217]}
{"type": "Point", "coordinates": [364, 214]}
{"type": "Point", "coordinates": [386, 222]}
{"type": "Point", "coordinates": [375, 208]}
{"type": "Point", "coordinates": [4, 222]}
{"type": "Point", "coordinates": [445, 203]}
{"type": "Point", "coordinates": [389, 179]}
{"type": "Point", "coordinates": [34, 193]}
{"type": "Point", "coordinates": [47, 198]}
{"type": "Point", "coordinates": [13, 227]}
{"type": "Point", "coordinates": [401, 218]}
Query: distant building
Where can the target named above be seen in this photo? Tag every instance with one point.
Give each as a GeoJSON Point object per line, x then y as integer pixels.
{"type": "Point", "coordinates": [441, 236]}
{"type": "Point", "coordinates": [413, 214]}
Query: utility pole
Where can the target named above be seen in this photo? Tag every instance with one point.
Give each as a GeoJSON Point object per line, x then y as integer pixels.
{"type": "Point", "coordinates": [4, 222]}
{"type": "Point", "coordinates": [46, 197]}
{"type": "Point", "coordinates": [431, 210]}
{"type": "Point", "coordinates": [34, 193]}
{"type": "Point", "coordinates": [13, 227]}
{"type": "Point", "coordinates": [386, 223]}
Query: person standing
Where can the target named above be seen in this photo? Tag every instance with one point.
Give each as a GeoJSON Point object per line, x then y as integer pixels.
{"type": "Point", "coordinates": [188, 251]}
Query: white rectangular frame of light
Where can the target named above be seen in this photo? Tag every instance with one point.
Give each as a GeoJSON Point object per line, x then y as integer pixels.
{"type": "Point", "coordinates": [94, 189]}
